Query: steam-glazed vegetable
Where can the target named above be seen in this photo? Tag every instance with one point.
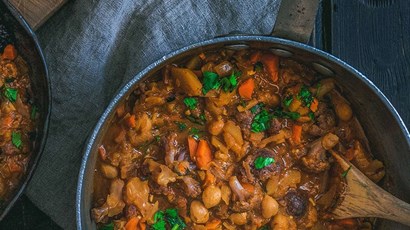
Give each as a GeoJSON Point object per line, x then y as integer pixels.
{"type": "Point", "coordinates": [229, 140]}
{"type": "Point", "coordinates": [18, 116]}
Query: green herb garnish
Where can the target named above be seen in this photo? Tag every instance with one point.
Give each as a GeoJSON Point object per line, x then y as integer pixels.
{"type": "Point", "coordinates": [261, 121]}
{"type": "Point", "coordinates": [210, 81]}
{"type": "Point", "coordinates": [194, 132]}
{"type": "Point", "coordinates": [9, 79]}
{"type": "Point", "coordinates": [191, 102]}
{"type": "Point", "coordinates": [261, 162]}
{"type": "Point", "coordinates": [202, 117]}
{"type": "Point", "coordinates": [283, 114]}
{"type": "Point", "coordinates": [157, 138]}
{"type": "Point", "coordinates": [288, 100]}
{"type": "Point", "coordinates": [344, 174]}
{"type": "Point", "coordinates": [311, 115]}
{"type": "Point", "coordinates": [10, 94]}
{"type": "Point", "coordinates": [109, 226]}
{"type": "Point", "coordinates": [306, 96]}
{"type": "Point", "coordinates": [265, 227]}
{"type": "Point", "coordinates": [258, 66]}
{"type": "Point", "coordinates": [318, 87]}
{"type": "Point", "coordinates": [16, 139]}
{"type": "Point", "coordinates": [33, 112]}
{"type": "Point", "coordinates": [196, 120]}
{"type": "Point", "coordinates": [170, 217]}
{"type": "Point", "coordinates": [181, 125]}
{"type": "Point", "coordinates": [230, 83]}
{"type": "Point", "coordinates": [256, 108]}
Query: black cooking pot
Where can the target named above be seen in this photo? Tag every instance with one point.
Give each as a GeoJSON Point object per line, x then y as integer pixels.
{"type": "Point", "coordinates": [28, 47]}
{"type": "Point", "coordinates": [388, 137]}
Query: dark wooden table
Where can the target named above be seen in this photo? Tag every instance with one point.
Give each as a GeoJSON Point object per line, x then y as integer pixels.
{"type": "Point", "coordinates": [371, 35]}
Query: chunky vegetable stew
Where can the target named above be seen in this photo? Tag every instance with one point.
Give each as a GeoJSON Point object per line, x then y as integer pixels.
{"type": "Point", "coordinates": [229, 140]}
{"type": "Point", "coordinates": [17, 118]}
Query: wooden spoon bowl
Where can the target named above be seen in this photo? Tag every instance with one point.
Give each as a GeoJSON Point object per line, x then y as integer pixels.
{"type": "Point", "coordinates": [363, 198]}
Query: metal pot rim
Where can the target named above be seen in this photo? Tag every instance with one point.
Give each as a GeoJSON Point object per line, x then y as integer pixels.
{"type": "Point", "coordinates": [235, 38]}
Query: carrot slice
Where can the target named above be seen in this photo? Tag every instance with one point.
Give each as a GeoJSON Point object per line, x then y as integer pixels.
{"type": "Point", "coordinates": [130, 121]}
{"type": "Point", "coordinates": [132, 223]}
{"type": "Point", "coordinates": [255, 57]}
{"type": "Point", "coordinates": [314, 105]}
{"type": "Point", "coordinates": [246, 88]}
{"type": "Point", "coordinates": [296, 133]}
{"type": "Point", "coordinates": [203, 155]}
{"type": "Point", "coordinates": [9, 53]}
{"type": "Point", "coordinates": [142, 226]}
{"type": "Point", "coordinates": [192, 146]}
{"type": "Point", "coordinates": [271, 64]}
{"type": "Point", "coordinates": [248, 187]}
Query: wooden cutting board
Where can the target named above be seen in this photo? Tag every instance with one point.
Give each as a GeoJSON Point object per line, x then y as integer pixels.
{"type": "Point", "coordinates": [36, 12]}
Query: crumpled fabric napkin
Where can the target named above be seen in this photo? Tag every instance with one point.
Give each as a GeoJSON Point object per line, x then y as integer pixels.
{"type": "Point", "coordinates": [93, 47]}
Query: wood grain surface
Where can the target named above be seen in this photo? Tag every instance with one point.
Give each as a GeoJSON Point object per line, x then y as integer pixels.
{"type": "Point", "coordinates": [374, 37]}
{"type": "Point", "coordinates": [36, 12]}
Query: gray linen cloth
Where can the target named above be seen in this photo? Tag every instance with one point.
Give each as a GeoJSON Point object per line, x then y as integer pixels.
{"type": "Point", "coordinates": [93, 47]}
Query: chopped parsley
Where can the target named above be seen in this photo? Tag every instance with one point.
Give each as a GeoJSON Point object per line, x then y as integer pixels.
{"type": "Point", "coordinates": [211, 81]}
{"type": "Point", "coordinates": [283, 114]}
{"type": "Point", "coordinates": [344, 174]}
{"type": "Point", "coordinates": [202, 117]}
{"type": "Point", "coordinates": [181, 125]}
{"type": "Point", "coordinates": [168, 217]}
{"type": "Point", "coordinates": [311, 115]}
{"type": "Point", "coordinates": [306, 96]}
{"type": "Point", "coordinates": [261, 162]}
{"type": "Point", "coordinates": [256, 108]}
{"type": "Point", "coordinates": [157, 138]}
{"type": "Point", "coordinates": [9, 79]}
{"type": "Point", "coordinates": [16, 139]}
{"type": "Point", "coordinates": [265, 227]}
{"type": "Point", "coordinates": [10, 94]}
{"type": "Point", "coordinates": [258, 66]}
{"type": "Point", "coordinates": [191, 102]}
{"type": "Point", "coordinates": [194, 132]}
{"type": "Point", "coordinates": [287, 101]}
{"type": "Point", "coordinates": [197, 120]}
{"type": "Point", "coordinates": [33, 112]}
{"type": "Point", "coordinates": [109, 226]}
{"type": "Point", "coordinates": [230, 83]}
{"type": "Point", "coordinates": [261, 121]}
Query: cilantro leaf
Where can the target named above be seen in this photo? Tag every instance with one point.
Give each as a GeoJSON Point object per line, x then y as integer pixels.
{"type": "Point", "coordinates": [261, 121]}
{"type": "Point", "coordinates": [191, 102]}
{"type": "Point", "coordinates": [261, 162]}
{"type": "Point", "coordinates": [288, 100]}
{"type": "Point", "coordinates": [10, 94]}
{"type": "Point", "coordinates": [210, 81]}
{"type": "Point", "coordinates": [16, 139]}
{"type": "Point", "coordinates": [181, 125]}
{"type": "Point", "coordinates": [258, 66]}
{"type": "Point", "coordinates": [256, 108]}
{"type": "Point", "coordinates": [344, 174]}
{"type": "Point", "coordinates": [109, 226]}
{"type": "Point", "coordinates": [230, 83]}
{"type": "Point", "coordinates": [306, 96]}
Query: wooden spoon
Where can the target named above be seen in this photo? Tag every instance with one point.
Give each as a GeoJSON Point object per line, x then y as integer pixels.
{"type": "Point", "coordinates": [363, 198]}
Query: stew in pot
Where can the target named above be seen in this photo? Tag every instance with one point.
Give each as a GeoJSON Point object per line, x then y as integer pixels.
{"type": "Point", "coordinates": [229, 140]}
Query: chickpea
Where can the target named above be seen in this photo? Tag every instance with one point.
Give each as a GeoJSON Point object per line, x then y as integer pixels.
{"type": "Point", "coordinates": [270, 207]}
{"type": "Point", "coordinates": [282, 222]}
{"type": "Point", "coordinates": [199, 214]}
{"type": "Point", "coordinates": [343, 111]}
{"type": "Point", "coordinates": [239, 218]}
{"type": "Point", "coordinates": [109, 171]}
{"type": "Point", "coordinates": [211, 196]}
{"type": "Point", "coordinates": [215, 128]}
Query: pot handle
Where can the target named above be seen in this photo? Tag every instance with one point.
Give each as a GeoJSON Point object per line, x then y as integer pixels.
{"type": "Point", "coordinates": [296, 19]}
